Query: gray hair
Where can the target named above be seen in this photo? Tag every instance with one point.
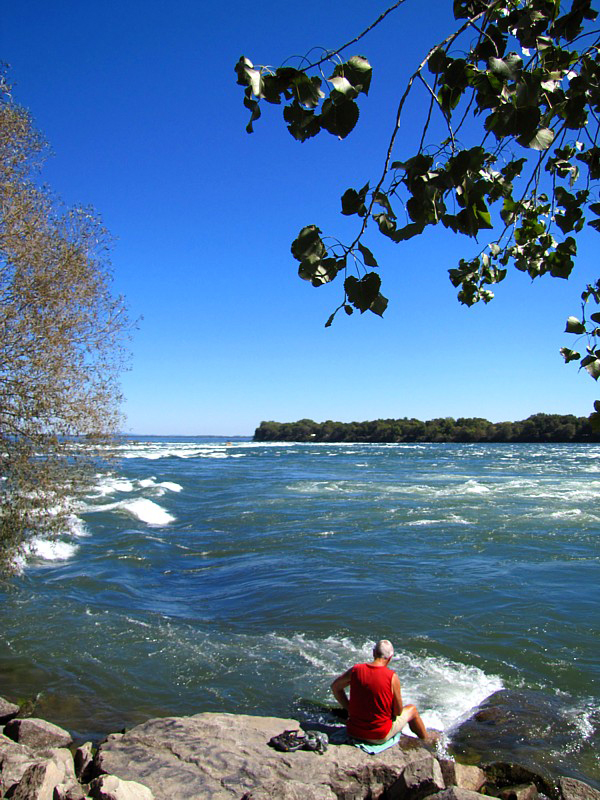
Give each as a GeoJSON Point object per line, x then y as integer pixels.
{"type": "Point", "coordinates": [383, 649]}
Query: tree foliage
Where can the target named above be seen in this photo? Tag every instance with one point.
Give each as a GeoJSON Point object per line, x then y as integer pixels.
{"type": "Point", "coordinates": [537, 428]}
{"type": "Point", "coordinates": [61, 341]}
{"type": "Point", "coordinates": [516, 87]}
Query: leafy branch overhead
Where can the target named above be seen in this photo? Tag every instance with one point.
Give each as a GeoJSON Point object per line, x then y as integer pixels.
{"type": "Point", "coordinates": [515, 90]}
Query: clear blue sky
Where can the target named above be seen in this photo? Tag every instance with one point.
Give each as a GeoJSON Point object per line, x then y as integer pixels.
{"type": "Point", "coordinates": [139, 102]}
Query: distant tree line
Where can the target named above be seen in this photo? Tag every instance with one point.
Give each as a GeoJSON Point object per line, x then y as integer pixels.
{"type": "Point", "coordinates": [537, 428]}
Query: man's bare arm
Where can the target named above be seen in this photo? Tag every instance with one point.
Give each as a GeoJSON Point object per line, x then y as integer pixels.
{"type": "Point", "coordinates": [338, 688]}
{"type": "Point", "coordinates": [397, 704]}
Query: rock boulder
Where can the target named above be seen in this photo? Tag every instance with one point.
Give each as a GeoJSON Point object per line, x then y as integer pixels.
{"type": "Point", "coordinates": [570, 789]}
{"type": "Point", "coordinates": [226, 756]}
{"type": "Point", "coordinates": [7, 711]}
{"type": "Point", "coordinates": [37, 733]}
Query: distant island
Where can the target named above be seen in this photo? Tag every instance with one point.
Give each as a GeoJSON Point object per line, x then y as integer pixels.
{"type": "Point", "coordinates": [534, 429]}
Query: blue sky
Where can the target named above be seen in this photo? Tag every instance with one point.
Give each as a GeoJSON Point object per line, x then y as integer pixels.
{"type": "Point", "coordinates": [139, 103]}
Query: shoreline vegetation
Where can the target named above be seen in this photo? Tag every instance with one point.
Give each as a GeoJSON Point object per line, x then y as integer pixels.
{"type": "Point", "coordinates": [538, 428]}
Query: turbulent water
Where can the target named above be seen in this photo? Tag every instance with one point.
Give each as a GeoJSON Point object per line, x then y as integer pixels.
{"type": "Point", "coordinates": [234, 576]}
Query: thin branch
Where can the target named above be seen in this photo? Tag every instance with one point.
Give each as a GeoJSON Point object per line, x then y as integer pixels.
{"type": "Point", "coordinates": [434, 99]}
{"type": "Point", "coordinates": [330, 54]}
{"type": "Point", "coordinates": [448, 40]}
{"type": "Point", "coordinates": [429, 114]}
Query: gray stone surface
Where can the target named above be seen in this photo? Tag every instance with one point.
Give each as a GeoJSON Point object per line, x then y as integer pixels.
{"type": "Point", "coordinates": [83, 758]}
{"type": "Point", "coordinates": [456, 793]}
{"type": "Point", "coordinates": [63, 759]}
{"type": "Point", "coordinates": [66, 792]}
{"type": "Point", "coordinates": [525, 791]}
{"type": "Point", "coordinates": [39, 781]}
{"type": "Point", "coordinates": [108, 787]}
{"type": "Point", "coordinates": [37, 733]}
{"type": "Point", "coordinates": [419, 779]}
{"type": "Point", "coordinates": [462, 775]}
{"type": "Point", "coordinates": [14, 761]}
{"type": "Point", "coordinates": [34, 776]}
{"type": "Point", "coordinates": [224, 756]}
{"type": "Point", "coordinates": [7, 711]}
{"type": "Point", "coordinates": [571, 789]}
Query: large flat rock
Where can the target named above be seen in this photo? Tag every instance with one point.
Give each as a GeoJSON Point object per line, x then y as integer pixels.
{"type": "Point", "coordinates": [223, 756]}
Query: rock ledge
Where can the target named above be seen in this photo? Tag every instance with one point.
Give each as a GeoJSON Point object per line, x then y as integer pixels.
{"type": "Point", "coordinates": [227, 757]}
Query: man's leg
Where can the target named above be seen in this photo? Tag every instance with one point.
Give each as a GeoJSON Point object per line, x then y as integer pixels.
{"type": "Point", "coordinates": [415, 723]}
{"type": "Point", "coordinates": [409, 716]}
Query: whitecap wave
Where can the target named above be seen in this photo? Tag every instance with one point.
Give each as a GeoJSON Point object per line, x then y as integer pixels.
{"type": "Point", "coordinates": [142, 508]}
{"type": "Point", "coordinates": [51, 549]}
{"type": "Point", "coordinates": [444, 691]}
{"type": "Point", "coordinates": [473, 487]}
{"type": "Point", "coordinates": [111, 484]}
{"type": "Point", "coordinates": [59, 548]}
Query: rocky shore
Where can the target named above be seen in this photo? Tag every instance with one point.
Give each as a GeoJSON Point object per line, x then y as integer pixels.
{"type": "Point", "coordinates": [227, 757]}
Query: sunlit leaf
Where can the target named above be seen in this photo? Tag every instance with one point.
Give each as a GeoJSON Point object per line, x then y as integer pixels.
{"type": "Point", "coordinates": [574, 326]}
{"type": "Point", "coordinates": [541, 141]}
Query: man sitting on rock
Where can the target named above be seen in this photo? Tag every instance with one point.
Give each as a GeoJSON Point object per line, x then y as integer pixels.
{"type": "Point", "coordinates": [375, 709]}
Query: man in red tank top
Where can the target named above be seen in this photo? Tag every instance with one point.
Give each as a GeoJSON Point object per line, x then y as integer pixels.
{"type": "Point", "coordinates": [375, 708]}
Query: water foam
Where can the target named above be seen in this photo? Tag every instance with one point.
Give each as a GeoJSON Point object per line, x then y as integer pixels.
{"type": "Point", "coordinates": [40, 548]}
{"type": "Point", "coordinates": [51, 550]}
{"type": "Point", "coordinates": [142, 509]}
{"type": "Point", "coordinates": [112, 484]}
{"type": "Point", "coordinates": [444, 691]}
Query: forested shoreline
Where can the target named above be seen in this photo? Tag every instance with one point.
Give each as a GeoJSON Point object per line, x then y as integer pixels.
{"type": "Point", "coordinates": [536, 428]}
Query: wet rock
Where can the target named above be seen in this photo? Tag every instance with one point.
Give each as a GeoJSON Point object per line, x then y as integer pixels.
{"type": "Point", "coordinates": [502, 775]}
{"type": "Point", "coordinates": [63, 759]}
{"type": "Point", "coordinates": [109, 787]}
{"type": "Point", "coordinates": [456, 793]}
{"type": "Point", "coordinates": [462, 775]}
{"type": "Point", "coordinates": [15, 759]}
{"type": "Point", "coordinates": [39, 779]}
{"type": "Point", "coordinates": [294, 790]}
{"type": "Point", "coordinates": [225, 756]}
{"type": "Point", "coordinates": [37, 733]}
{"type": "Point", "coordinates": [419, 779]}
{"type": "Point", "coordinates": [526, 791]}
{"type": "Point", "coordinates": [571, 789]}
{"type": "Point", "coordinates": [522, 726]}
{"type": "Point", "coordinates": [7, 711]}
{"type": "Point", "coordinates": [38, 782]}
{"type": "Point", "coordinates": [366, 780]}
{"type": "Point", "coordinates": [66, 792]}
{"type": "Point", "coordinates": [84, 761]}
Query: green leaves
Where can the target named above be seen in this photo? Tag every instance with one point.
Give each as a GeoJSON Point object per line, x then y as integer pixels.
{"type": "Point", "coordinates": [569, 355]}
{"type": "Point", "coordinates": [318, 266]}
{"type": "Point", "coordinates": [364, 293]}
{"type": "Point", "coordinates": [463, 9]}
{"type": "Point", "coordinates": [309, 250]}
{"type": "Point", "coordinates": [303, 95]}
{"type": "Point", "coordinates": [541, 140]}
{"type": "Point", "coordinates": [368, 256]}
{"type": "Point", "coordinates": [355, 73]}
{"type": "Point", "coordinates": [517, 92]}
{"type": "Point", "coordinates": [574, 326]}
{"type": "Point", "coordinates": [302, 123]}
{"type": "Point", "coordinates": [508, 68]}
{"type": "Point", "coordinates": [353, 202]}
{"type": "Point", "coordinates": [339, 118]}
{"type": "Point", "coordinates": [571, 218]}
{"type": "Point", "coordinates": [591, 330]}
{"type": "Point", "coordinates": [591, 363]}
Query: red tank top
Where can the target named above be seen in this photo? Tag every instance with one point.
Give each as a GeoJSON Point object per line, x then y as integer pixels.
{"type": "Point", "coordinates": [371, 702]}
